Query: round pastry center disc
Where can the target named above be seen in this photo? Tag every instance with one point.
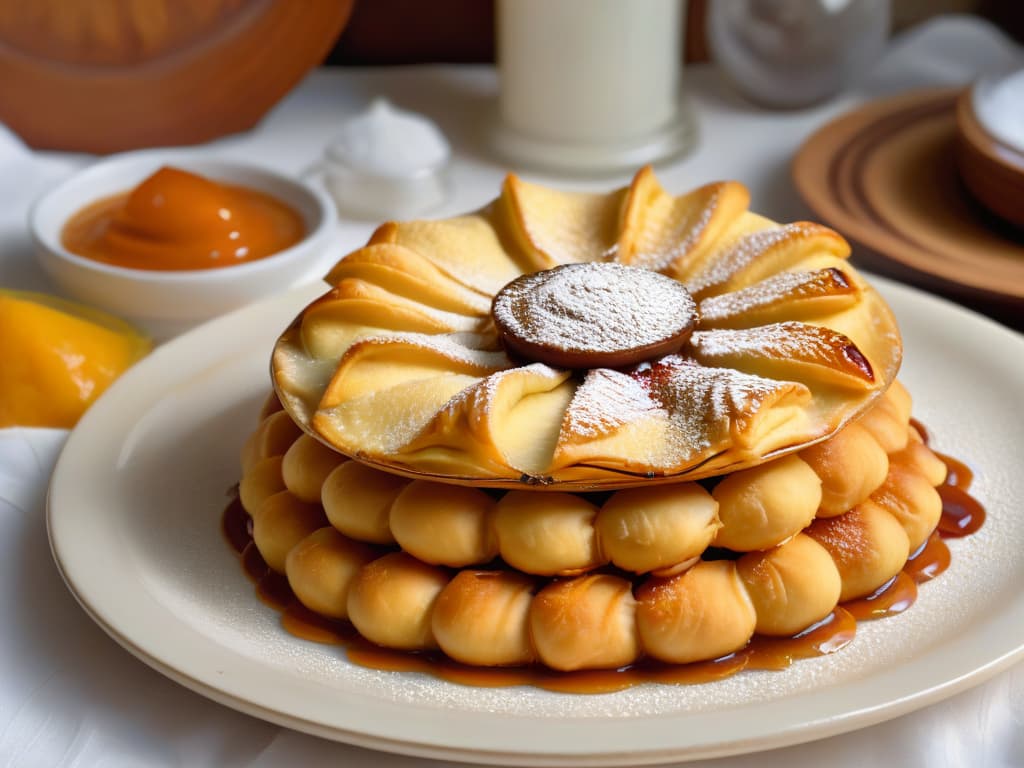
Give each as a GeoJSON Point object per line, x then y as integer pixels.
{"type": "Point", "coordinates": [594, 315]}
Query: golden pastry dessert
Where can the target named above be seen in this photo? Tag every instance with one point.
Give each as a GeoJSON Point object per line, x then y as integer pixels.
{"type": "Point", "coordinates": [583, 432]}
{"type": "Point", "coordinates": [454, 350]}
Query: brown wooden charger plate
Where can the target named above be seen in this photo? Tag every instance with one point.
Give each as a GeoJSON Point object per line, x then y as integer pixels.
{"type": "Point", "coordinates": [885, 175]}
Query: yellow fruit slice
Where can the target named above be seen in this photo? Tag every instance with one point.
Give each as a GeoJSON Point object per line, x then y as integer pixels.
{"type": "Point", "coordinates": [58, 357]}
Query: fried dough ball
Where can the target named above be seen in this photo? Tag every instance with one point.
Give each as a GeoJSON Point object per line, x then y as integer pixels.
{"type": "Point", "coordinates": [283, 520]}
{"type": "Point", "coordinates": [391, 600]}
{"type": "Point", "coordinates": [850, 464]}
{"type": "Point", "coordinates": [586, 622]}
{"type": "Point", "coordinates": [444, 524]}
{"type": "Point", "coordinates": [358, 501]}
{"type": "Point", "coordinates": [273, 437]}
{"type": "Point", "coordinates": [791, 586]}
{"type": "Point", "coordinates": [920, 457]}
{"type": "Point", "coordinates": [657, 528]}
{"type": "Point", "coordinates": [481, 618]}
{"type": "Point", "coordinates": [321, 567]}
{"type": "Point", "coordinates": [889, 418]}
{"type": "Point", "coordinates": [306, 464]}
{"type": "Point", "coordinates": [908, 496]}
{"type": "Point", "coordinates": [868, 546]}
{"type": "Point", "coordinates": [765, 505]}
{"type": "Point", "coordinates": [262, 480]}
{"type": "Point", "coordinates": [546, 533]}
{"type": "Point", "coordinates": [701, 614]}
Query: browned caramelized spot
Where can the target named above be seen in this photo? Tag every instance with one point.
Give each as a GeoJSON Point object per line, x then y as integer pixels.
{"type": "Point", "coordinates": [839, 277]}
{"type": "Point", "coordinates": [843, 535]}
{"type": "Point", "coordinates": [855, 356]}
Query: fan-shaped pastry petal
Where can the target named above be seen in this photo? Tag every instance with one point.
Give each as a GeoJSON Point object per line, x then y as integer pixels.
{"type": "Point", "coordinates": [358, 302]}
{"type": "Point", "coordinates": [378, 363]}
{"type": "Point", "coordinates": [785, 296]}
{"type": "Point", "coordinates": [381, 422]}
{"type": "Point", "coordinates": [611, 418]}
{"type": "Point", "coordinates": [507, 422]}
{"type": "Point", "coordinates": [404, 272]}
{"type": "Point", "coordinates": [666, 233]}
{"type": "Point", "coordinates": [554, 227]}
{"type": "Point", "coordinates": [710, 408]}
{"type": "Point", "coordinates": [675, 415]}
{"type": "Point", "coordinates": [763, 253]}
{"type": "Point", "coordinates": [808, 353]}
{"type": "Point", "coordinates": [466, 248]}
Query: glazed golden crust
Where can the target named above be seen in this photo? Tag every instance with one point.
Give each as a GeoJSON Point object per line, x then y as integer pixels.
{"type": "Point", "coordinates": [444, 525]}
{"type": "Point", "coordinates": [867, 545]}
{"type": "Point", "coordinates": [399, 364]}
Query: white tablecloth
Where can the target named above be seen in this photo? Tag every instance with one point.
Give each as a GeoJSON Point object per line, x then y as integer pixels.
{"type": "Point", "coordinates": [70, 696]}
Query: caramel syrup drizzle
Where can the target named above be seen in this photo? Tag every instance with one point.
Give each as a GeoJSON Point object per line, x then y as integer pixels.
{"type": "Point", "coordinates": [961, 515]}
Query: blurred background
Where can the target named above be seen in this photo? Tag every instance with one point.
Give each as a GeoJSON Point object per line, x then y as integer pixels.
{"type": "Point", "coordinates": [411, 32]}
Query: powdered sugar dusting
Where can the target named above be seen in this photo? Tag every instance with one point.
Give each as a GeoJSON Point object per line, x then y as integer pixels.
{"type": "Point", "coordinates": [480, 397]}
{"type": "Point", "coordinates": [744, 255]}
{"type": "Point", "coordinates": [594, 307]}
{"type": "Point", "coordinates": [781, 288]}
{"type": "Point", "coordinates": [789, 341]}
{"type": "Point", "coordinates": [706, 404]}
{"type": "Point", "coordinates": [469, 349]}
{"type": "Point", "coordinates": [605, 401]}
{"type": "Point", "coordinates": [684, 237]}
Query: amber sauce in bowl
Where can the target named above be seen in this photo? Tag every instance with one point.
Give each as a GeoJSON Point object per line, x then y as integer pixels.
{"type": "Point", "coordinates": [178, 220]}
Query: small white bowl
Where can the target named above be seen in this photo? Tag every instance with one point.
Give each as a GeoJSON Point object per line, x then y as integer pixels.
{"type": "Point", "coordinates": [165, 303]}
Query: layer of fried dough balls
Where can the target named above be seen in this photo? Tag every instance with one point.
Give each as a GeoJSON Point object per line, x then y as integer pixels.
{"type": "Point", "coordinates": [599, 620]}
{"type": "Point", "coordinates": [796, 554]}
{"type": "Point", "coordinates": [659, 529]}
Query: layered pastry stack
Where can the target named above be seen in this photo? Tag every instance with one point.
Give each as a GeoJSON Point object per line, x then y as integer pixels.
{"type": "Point", "coordinates": [579, 430]}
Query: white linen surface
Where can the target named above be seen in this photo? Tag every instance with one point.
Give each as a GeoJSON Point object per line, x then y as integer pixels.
{"type": "Point", "coordinates": [70, 696]}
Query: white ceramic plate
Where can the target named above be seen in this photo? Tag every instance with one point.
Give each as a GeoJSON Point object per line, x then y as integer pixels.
{"type": "Point", "coordinates": [134, 514]}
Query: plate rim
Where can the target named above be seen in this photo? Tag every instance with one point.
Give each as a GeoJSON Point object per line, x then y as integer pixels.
{"type": "Point", "coordinates": [573, 741]}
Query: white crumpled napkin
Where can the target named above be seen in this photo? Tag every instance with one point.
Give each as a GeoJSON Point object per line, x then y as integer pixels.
{"type": "Point", "coordinates": [24, 176]}
{"type": "Point", "coordinates": [70, 696]}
